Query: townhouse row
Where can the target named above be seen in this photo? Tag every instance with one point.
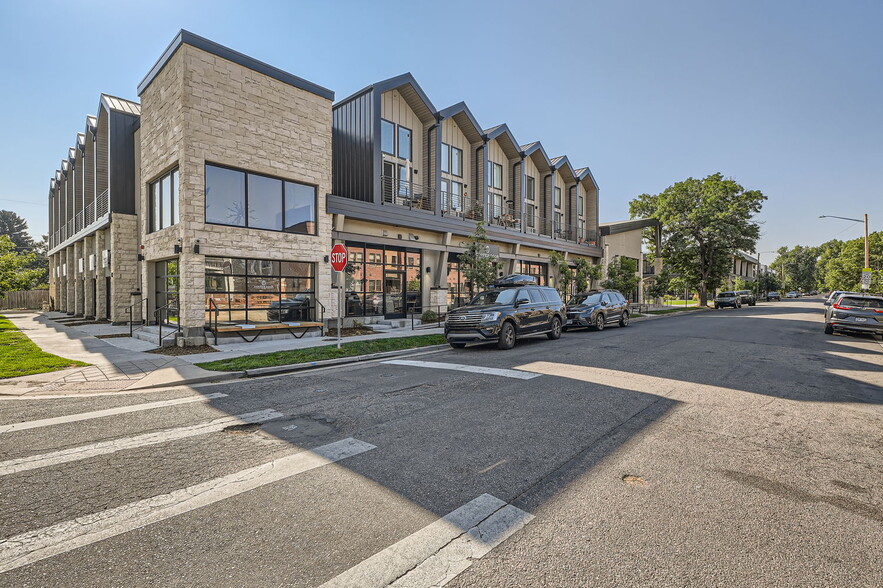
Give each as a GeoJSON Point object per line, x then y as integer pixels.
{"type": "Point", "coordinates": [218, 196]}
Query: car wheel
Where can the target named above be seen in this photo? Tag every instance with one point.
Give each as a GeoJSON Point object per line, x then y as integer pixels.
{"type": "Point", "coordinates": [752, 303]}
{"type": "Point", "coordinates": [555, 333]}
{"type": "Point", "coordinates": [599, 322]}
{"type": "Point", "coordinates": [738, 305]}
{"type": "Point", "coordinates": [457, 345]}
{"type": "Point", "coordinates": [507, 336]}
{"type": "Point", "coordinates": [717, 307]}
{"type": "Point", "coordinates": [829, 330]}
{"type": "Point", "coordinates": [624, 319]}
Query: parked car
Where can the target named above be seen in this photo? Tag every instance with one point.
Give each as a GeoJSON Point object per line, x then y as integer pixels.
{"type": "Point", "coordinates": [597, 309]}
{"type": "Point", "coordinates": [859, 313]}
{"type": "Point", "coordinates": [514, 307]}
{"type": "Point", "coordinates": [727, 299]}
{"type": "Point", "coordinates": [833, 296]}
{"type": "Point", "coordinates": [297, 308]}
{"type": "Point", "coordinates": [746, 297]}
{"type": "Point", "coordinates": [773, 296]}
{"type": "Point", "coordinates": [791, 294]}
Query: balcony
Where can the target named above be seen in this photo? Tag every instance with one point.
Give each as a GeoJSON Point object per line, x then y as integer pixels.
{"type": "Point", "coordinates": [408, 194]}
{"type": "Point", "coordinates": [462, 206]}
{"type": "Point", "coordinates": [93, 217]}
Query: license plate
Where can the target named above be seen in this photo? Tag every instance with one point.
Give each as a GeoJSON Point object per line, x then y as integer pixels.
{"type": "Point", "coordinates": [861, 319]}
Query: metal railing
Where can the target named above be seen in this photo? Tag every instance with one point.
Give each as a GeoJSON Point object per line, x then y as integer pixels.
{"type": "Point", "coordinates": [504, 216]}
{"type": "Point", "coordinates": [82, 220]}
{"type": "Point", "coordinates": [462, 206]}
{"type": "Point", "coordinates": [408, 194]}
{"type": "Point", "coordinates": [213, 325]}
{"type": "Point", "coordinates": [427, 312]}
{"type": "Point", "coordinates": [102, 204]}
{"type": "Point", "coordinates": [166, 309]}
{"type": "Point", "coordinates": [130, 310]}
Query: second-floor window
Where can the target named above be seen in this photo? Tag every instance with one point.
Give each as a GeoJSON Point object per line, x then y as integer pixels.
{"type": "Point", "coordinates": [387, 137]}
{"type": "Point", "coordinates": [496, 176]}
{"type": "Point", "coordinates": [404, 149]}
{"type": "Point", "coordinates": [395, 139]}
{"type": "Point", "coordinates": [557, 197]}
{"type": "Point", "coordinates": [452, 160]}
{"type": "Point", "coordinates": [163, 194]}
{"type": "Point", "coordinates": [530, 188]}
{"type": "Point", "coordinates": [580, 208]}
{"type": "Point", "coordinates": [244, 199]}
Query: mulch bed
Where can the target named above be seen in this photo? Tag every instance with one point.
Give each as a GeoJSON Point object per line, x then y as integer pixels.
{"type": "Point", "coordinates": [350, 332]}
{"type": "Point", "coordinates": [175, 350]}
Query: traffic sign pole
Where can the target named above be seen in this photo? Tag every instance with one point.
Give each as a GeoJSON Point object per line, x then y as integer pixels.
{"type": "Point", "coordinates": [339, 260]}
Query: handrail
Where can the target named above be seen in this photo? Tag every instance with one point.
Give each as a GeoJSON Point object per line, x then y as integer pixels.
{"type": "Point", "coordinates": [322, 317]}
{"type": "Point", "coordinates": [157, 316]}
{"type": "Point", "coordinates": [213, 307]}
{"type": "Point", "coordinates": [440, 311]}
{"type": "Point", "coordinates": [129, 311]}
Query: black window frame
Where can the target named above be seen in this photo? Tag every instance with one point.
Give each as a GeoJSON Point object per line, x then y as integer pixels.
{"type": "Point", "coordinates": [493, 169]}
{"type": "Point", "coordinates": [382, 150]}
{"type": "Point", "coordinates": [445, 158]}
{"type": "Point", "coordinates": [398, 145]}
{"type": "Point", "coordinates": [154, 188]}
{"type": "Point", "coordinates": [557, 197]}
{"type": "Point", "coordinates": [530, 188]}
{"type": "Point", "coordinates": [283, 182]}
{"type": "Point", "coordinates": [459, 173]}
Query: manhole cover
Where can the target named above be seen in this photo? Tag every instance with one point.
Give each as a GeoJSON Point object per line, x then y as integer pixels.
{"type": "Point", "coordinates": [633, 480]}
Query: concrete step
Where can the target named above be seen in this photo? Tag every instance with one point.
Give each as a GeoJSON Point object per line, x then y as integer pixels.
{"type": "Point", "coordinates": [151, 335]}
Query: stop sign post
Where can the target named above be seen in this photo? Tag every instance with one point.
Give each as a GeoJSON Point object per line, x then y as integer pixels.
{"type": "Point", "coordinates": [339, 260]}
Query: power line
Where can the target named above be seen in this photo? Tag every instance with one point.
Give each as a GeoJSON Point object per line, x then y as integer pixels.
{"type": "Point", "coordinates": [24, 202]}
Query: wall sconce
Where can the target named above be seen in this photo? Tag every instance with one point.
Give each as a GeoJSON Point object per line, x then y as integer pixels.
{"type": "Point", "coordinates": [325, 259]}
{"type": "Point", "coordinates": [428, 270]}
{"type": "Point", "coordinates": [140, 257]}
{"type": "Point", "coordinates": [196, 247]}
{"type": "Point", "coordinates": [177, 249]}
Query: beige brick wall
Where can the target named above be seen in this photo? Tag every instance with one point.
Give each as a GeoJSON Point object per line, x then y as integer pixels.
{"type": "Point", "coordinates": [123, 264]}
{"type": "Point", "coordinates": [203, 108]}
{"type": "Point", "coordinates": [101, 273]}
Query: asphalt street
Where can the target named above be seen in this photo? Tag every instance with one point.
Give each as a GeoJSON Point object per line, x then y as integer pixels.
{"type": "Point", "coordinates": [717, 448]}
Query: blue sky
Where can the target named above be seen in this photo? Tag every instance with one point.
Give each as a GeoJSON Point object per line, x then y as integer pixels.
{"type": "Point", "coordinates": [786, 97]}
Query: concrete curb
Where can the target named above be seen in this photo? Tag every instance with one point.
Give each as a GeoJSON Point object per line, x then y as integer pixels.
{"type": "Point", "coordinates": [297, 367]}
{"type": "Point", "coordinates": [216, 377]}
{"type": "Point", "coordinates": [650, 317]}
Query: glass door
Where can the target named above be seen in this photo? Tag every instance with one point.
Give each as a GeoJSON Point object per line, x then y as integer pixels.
{"type": "Point", "coordinates": [393, 294]}
{"type": "Point", "coordinates": [166, 292]}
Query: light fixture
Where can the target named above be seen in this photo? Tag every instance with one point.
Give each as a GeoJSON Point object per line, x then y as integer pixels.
{"type": "Point", "coordinates": [428, 270]}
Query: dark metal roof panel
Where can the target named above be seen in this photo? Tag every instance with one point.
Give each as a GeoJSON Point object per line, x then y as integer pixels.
{"type": "Point", "coordinates": [464, 118]}
{"type": "Point", "coordinates": [506, 138]}
{"type": "Point", "coordinates": [218, 50]}
{"type": "Point", "coordinates": [629, 225]}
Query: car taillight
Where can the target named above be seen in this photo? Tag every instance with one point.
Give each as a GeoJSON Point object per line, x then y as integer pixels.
{"type": "Point", "coordinates": [841, 307]}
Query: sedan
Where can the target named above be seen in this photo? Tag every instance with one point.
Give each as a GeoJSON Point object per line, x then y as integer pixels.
{"type": "Point", "coordinates": [727, 299]}
{"type": "Point", "coordinates": [792, 294]}
{"type": "Point", "coordinates": [858, 313]}
{"type": "Point", "coordinates": [774, 296]}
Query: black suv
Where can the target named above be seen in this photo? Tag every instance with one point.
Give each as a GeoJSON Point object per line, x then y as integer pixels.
{"type": "Point", "coordinates": [598, 308]}
{"type": "Point", "coordinates": [514, 307]}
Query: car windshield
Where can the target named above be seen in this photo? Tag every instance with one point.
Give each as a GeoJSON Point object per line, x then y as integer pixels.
{"type": "Point", "coordinates": [727, 294]}
{"type": "Point", "coordinates": [587, 299]}
{"type": "Point", "coordinates": [502, 296]}
{"type": "Point", "coordinates": [861, 302]}
{"type": "Point", "coordinates": [774, 293]}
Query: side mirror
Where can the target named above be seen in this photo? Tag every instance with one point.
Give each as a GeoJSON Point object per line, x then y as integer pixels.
{"type": "Point", "coordinates": [521, 301]}
{"type": "Point", "coordinates": [603, 303]}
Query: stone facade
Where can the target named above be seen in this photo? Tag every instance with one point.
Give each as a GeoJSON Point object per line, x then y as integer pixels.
{"type": "Point", "coordinates": [124, 278]}
{"type": "Point", "coordinates": [202, 108]}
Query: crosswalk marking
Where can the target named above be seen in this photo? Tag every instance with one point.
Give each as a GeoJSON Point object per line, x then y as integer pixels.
{"type": "Point", "coordinates": [440, 551]}
{"type": "Point", "coordinates": [33, 546]}
{"type": "Point", "coordinates": [70, 454]}
{"type": "Point", "coordinates": [460, 367]}
{"type": "Point", "coordinates": [95, 414]}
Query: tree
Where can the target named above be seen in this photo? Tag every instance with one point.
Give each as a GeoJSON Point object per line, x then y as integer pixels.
{"type": "Point", "coordinates": [661, 284]}
{"type": "Point", "coordinates": [703, 223]}
{"type": "Point", "coordinates": [585, 274]}
{"type": "Point", "coordinates": [14, 272]}
{"type": "Point", "coordinates": [843, 271]}
{"type": "Point", "coordinates": [16, 228]}
{"type": "Point", "coordinates": [800, 267]}
{"type": "Point", "coordinates": [565, 275]}
{"type": "Point", "coordinates": [622, 275]}
{"type": "Point", "coordinates": [477, 264]}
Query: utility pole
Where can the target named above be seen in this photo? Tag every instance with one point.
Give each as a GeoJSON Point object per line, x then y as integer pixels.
{"type": "Point", "coordinates": [867, 265]}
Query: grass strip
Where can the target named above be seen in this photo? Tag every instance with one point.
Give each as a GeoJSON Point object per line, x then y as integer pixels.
{"type": "Point", "coordinates": [19, 356]}
{"type": "Point", "coordinates": [671, 310]}
{"type": "Point", "coordinates": [309, 354]}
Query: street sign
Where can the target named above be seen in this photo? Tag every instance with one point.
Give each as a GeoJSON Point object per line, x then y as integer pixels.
{"type": "Point", "coordinates": [866, 279]}
{"type": "Point", "coordinates": [338, 257]}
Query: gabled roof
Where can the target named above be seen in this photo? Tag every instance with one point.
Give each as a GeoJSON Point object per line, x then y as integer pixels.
{"type": "Point", "coordinates": [562, 165]}
{"type": "Point", "coordinates": [584, 173]}
{"type": "Point", "coordinates": [230, 55]}
{"type": "Point", "coordinates": [52, 183]}
{"type": "Point", "coordinates": [536, 152]}
{"type": "Point", "coordinates": [464, 119]}
{"type": "Point", "coordinates": [65, 166]}
{"type": "Point", "coordinates": [58, 176]}
{"type": "Point", "coordinates": [410, 91]}
{"type": "Point", "coordinates": [628, 225]}
{"type": "Point", "coordinates": [81, 143]}
{"type": "Point", "coordinates": [506, 139]}
{"type": "Point", "coordinates": [120, 105]}
{"type": "Point", "coordinates": [72, 155]}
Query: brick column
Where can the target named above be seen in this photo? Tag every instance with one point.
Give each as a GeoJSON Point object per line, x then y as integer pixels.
{"type": "Point", "coordinates": [70, 296]}
{"type": "Point", "coordinates": [123, 264]}
{"type": "Point", "coordinates": [191, 298]}
{"type": "Point", "coordinates": [100, 274]}
{"type": "Point", "coordinates": [79, 294]}
{"type": "Point", "coordinates": [88, 276]}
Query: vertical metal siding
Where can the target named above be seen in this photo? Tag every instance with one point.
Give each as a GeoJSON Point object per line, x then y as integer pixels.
{"type": "Point", "coordinates": [352, 138]}
{"type": "Point", "coordinates": [121, 168]}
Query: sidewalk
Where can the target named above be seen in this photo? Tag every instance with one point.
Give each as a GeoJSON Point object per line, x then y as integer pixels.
{"type": "Point", "coordinates": [121, 363]}
{"type": "Point", "coordinates": [114, 368]}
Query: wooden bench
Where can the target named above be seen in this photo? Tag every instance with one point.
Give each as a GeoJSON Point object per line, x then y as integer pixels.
{"type": "Point", "coordinates": [292, 327]}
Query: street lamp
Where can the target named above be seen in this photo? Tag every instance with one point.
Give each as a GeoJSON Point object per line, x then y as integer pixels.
{"type": "Point", "coordinates": [867, 249]}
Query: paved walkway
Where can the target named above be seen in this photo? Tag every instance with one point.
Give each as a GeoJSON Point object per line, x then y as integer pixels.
{"type": "Point", "coordinates": [121, 363]}
{"type": "Point", "coordinates": [113, 368]}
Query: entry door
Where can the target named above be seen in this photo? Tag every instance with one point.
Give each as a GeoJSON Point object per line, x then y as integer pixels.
{"type": "Point", "coordinates": [94, 312]}
{"type": "Point", "coordinates": [107, 297]}
{"type": "Point", "coordinates": [394, 294]}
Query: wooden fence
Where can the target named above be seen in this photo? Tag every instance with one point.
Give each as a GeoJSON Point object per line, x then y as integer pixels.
{"type": "Point", "coordinates": [29, 299]}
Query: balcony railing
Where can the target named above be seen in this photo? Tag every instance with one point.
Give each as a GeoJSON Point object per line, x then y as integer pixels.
{"type": "Point", "coordinates": [462, 206]}
{"type": "Point", "coordinates": [408, 194]}
{"type": "Point", "coordinates": [504, 216]}
{"type": "Point", "coordinates": [94, 211]}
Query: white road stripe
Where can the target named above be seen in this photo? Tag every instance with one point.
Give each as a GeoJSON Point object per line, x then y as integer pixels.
{"type": "Point", "coordinates": [432, 556]}
{"type": "Point", "coordinates": [459, 367]}
{"type": "Point", "coordinates": [43, 460]}
{"type": "Point", "coordinates": [33, 546]}
{"type": "Point", "coordinates": [96, 414]}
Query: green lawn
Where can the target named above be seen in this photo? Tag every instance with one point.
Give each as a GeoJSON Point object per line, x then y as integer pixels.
{"type": "Point", "coordinates": [674, 309]}
{"type": "Point", "coordinates": [19, 356]}
{"type": "Point", "coordinates": [351, 349]}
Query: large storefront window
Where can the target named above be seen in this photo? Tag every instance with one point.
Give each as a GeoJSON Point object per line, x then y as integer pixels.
{"type": "Point", "coordinates": [258, 291]}
{"type": "Point", "coordinates": [383, 280]}
{"type": "Point", "coordinates": [539, 271]}
{"type": "Point", "coordinates": [166, 291]}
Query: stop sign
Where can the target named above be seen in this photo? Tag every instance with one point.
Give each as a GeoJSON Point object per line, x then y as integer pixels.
{"type": "Point", "coordinates": [338, 257]}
